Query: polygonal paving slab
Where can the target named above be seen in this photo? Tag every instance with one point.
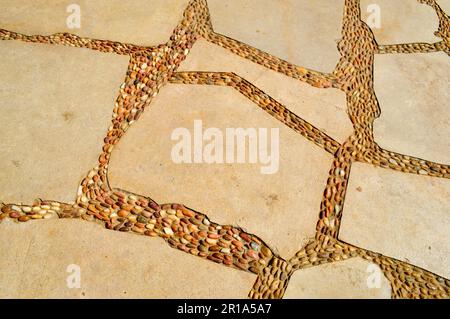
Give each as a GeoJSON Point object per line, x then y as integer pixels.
{"type": "Point", "coordinates": [280, 208]}
{"type": "Point", "coordinates": [400, 215]}
{"type": "Point", "coordinates": [350, 279]}
{"type": "Point", "coordinates": [399, 21]}
{"type": "Point", "coordinates": [413, 91]}
{"type": "Point", "coordinates": [56, 107]}
{"type": "Point", "coordinates": [291, 30]}
{"type": "Point", "coordinates": [139, 22]}
{"type": "Point", "coordinates": [112, 265]}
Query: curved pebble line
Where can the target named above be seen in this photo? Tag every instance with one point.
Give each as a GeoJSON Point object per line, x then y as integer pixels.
{"type": "Point", "coordinates": [263, 100]}
{"type": "Point", "coordinates": [152, 67]}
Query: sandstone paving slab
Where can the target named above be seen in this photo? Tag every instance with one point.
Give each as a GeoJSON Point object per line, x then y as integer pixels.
{"type": "Point", "coordinates": [413, 91]}
{"type": "Point", "coordinates": [350, 279]}
{"type": "Point", "coordinates": [139, 22]}
{"type": "Point", "coordinates": [403, 216]}
{"type": "Point", "coordinates": [291, 30]}
{"type": "Point", "coordinates": [324, 108]}
{"type": "Point", "coordinates": [281, 208]}
{"type": "Point", "coordinates": [56, 106]}
{"type": "Point", "coordinates": [400, 21]}
{"type": "Point", "coordinates": [36, 257]}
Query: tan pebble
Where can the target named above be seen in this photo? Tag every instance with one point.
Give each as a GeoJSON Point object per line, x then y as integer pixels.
{"type": "Point", "coordinates": [171, 211]}
{"type": "Point", "coordinates": [213, 236]}
{"type": "Point", "coordinates": [26, 209]}
{"type": "Point", "coordinates": [266, 251]}
{"type": "Point", "coordinates": [187, 213]}
{"type": "Point", "coordinates": [150, 226]}
{"type": "Point", "coordinates": [138, 230]}
{"type": "Point", "coordinates": [36, 216]}
{"type": "Point", "coordinates": [151, 233]}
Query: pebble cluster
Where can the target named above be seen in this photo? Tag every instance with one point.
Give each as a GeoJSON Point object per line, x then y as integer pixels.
{"type": "Point", "coordinates": [192, 232]}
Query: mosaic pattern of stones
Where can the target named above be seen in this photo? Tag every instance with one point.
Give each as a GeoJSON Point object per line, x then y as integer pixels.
{"type": "Point", "coordinates": [193, 232]}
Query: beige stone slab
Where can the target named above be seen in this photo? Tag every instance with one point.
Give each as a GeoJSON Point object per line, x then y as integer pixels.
{"type": "Point", "coordinates": [293, 30]}
{"type": "Point", "coordinates": [402, 21]}
{"type": "Point", "coordinates": [413, 91]}
{"type": "Point", "coordinates": [36, 257]}
{"type": "Point", "coordinates": [350, 279]}
{"type": "Point", "coordinates": [139, 22]}
{"type": "Point", "coordinates": [324, 108]}
{"type": "Point", "coordinates": [281, 208]}
{"type": "Point", "coordinates": [400, 215]}
{"type": "Point", "coordinates": [56, 105]}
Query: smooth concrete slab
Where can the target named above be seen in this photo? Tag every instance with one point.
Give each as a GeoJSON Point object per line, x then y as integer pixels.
{"type": "Point", "coordinates": [400, 215]}
{"type": "Point", "coordinates": [56, 104]}
{"type": "Point", "coordinates": [350, 279]}
{"type": "Point", "coordinates": [139, 22]}
{"type": "Point", "coordinates": [401, 21]}
{"type": "Point", "coordinates": [40, 258]}
{"type": "Point", "coordinates": [303, 32]}
{"type": "Point", "coordinates": [324, 108]}
{"type": "Point", "coordinates": [413, 91]}
{"type": "Point", "coordinates": [282, 208]}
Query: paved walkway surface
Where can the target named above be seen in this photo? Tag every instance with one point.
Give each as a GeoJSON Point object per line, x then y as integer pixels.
{"type": "Point", "coordinates": [356, 204]}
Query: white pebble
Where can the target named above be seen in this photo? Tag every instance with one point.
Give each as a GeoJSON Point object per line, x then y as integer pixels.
{"type": "Point", "coordinates": [168, 231]}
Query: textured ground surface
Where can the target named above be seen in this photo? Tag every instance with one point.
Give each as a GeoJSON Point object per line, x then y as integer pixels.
{"type": "Point", "coordinates": [312, 230]}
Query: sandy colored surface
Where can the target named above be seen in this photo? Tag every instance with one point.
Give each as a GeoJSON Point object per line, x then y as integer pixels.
{"type": "Point", "coordinates": [291, 30]}
{"type": "Point", "coordinates": [112, 264]}
{"type": "Point", "coordinates": [346, 279]}
{"type": "Point", "coordinates": [399, 215]}
{"type": "Point", "coordinates": [278, 208]}
{"type": "Point", "coordinates": [413, 91]}
{"type": "Point", "coordinates": [139, 22]}
{"type": "Point", "coordinates": [405, 29]}
{"type": "Point", "coordinates": [56, 105]}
